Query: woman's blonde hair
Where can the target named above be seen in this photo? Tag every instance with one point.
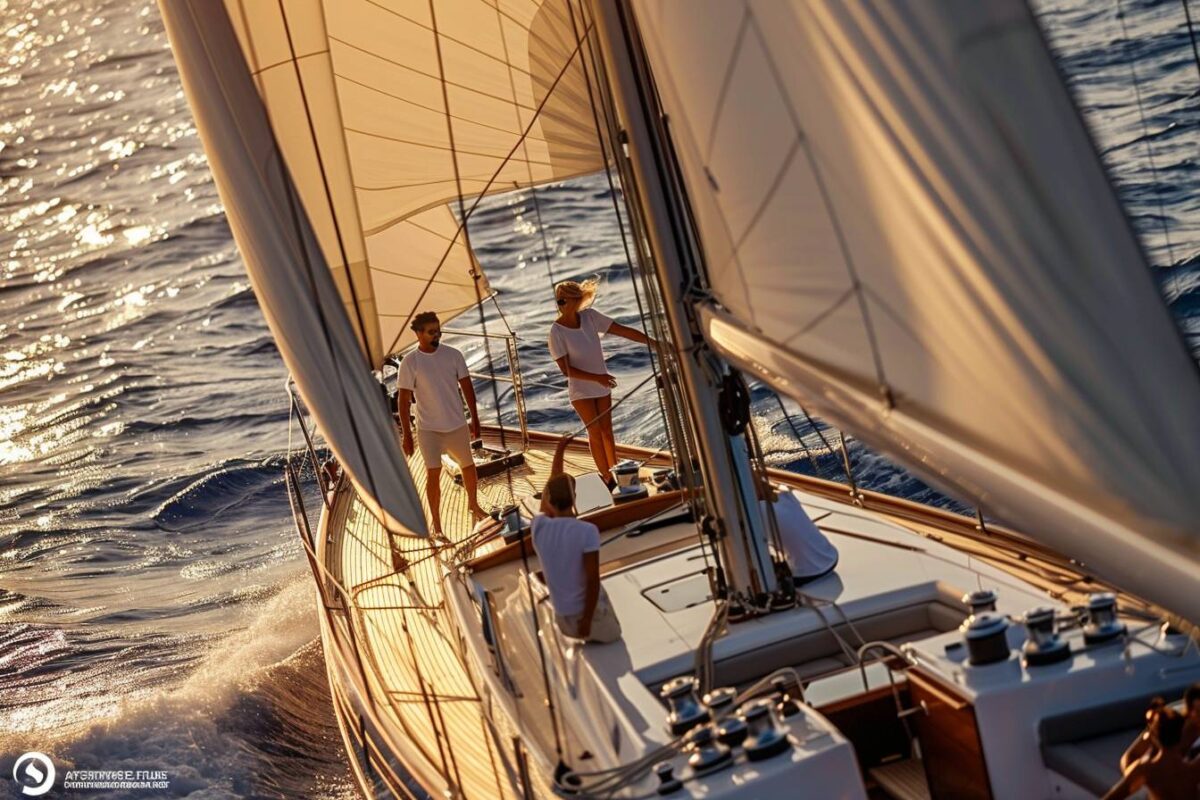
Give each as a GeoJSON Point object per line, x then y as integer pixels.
{"type": "Point", "coordinates": [572, 289]}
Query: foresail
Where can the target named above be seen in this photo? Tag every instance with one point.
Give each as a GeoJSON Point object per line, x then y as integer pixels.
{"type": "Point", "coordinates": [906, 226]}
{"type": "Point", "coordinates": [292, 282]}
{"type": "Point", "coordinates": [394, 116]}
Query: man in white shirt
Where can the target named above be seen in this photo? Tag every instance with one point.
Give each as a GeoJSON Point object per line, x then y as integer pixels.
{"type": "Point", "coordinates": [436, 374]}
{"type": "Point", "coordinates": [569, 551]}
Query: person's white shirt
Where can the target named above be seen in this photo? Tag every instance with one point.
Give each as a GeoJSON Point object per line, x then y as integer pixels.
{"type": "Point", "coordinates": [582, 348]}
{"type": "Point", "coordinates": [433, 379]}
{"type": "Point", "coordinates": [809, 552]}
{"type": "Point", "coordinates": [560, 543]}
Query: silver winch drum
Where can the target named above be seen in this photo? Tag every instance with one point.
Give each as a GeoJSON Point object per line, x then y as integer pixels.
{"type": "Point", "coordinates": [629, 485]}
{"type": "Point", "coordinates": [986, 636]}
{"type": "Point", "coordinates": [1042, 644]}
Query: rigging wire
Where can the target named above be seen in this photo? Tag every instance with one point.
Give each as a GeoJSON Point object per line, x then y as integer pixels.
{"type": "Point", "coordinates": [1187, 13]}
{"type": "Point", "coordinates": [486, 188]}
{"type": "Point", "coordinates": [1137, 93]}
{"type": "Point", "coordinates": [605, 144]}
{"type": "Point", "coordinates": [312, 132]}
{"type": "Point", "coordinates": [799, 439]}
{"type": "Point", "coordinates": [465, 230]}
{"type": "Point", "coordinates": [669, 387]}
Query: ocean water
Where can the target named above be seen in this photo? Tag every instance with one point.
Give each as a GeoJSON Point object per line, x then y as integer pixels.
{"type": "Point", "coordinates": [155, 609]}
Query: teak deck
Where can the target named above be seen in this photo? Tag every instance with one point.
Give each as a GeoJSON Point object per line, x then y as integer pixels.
{"type": "Point", "coordinates": [399, 616]}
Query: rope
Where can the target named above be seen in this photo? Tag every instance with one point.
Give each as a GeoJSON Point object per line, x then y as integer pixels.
{"type": "Point", "coordinates": [828, 446]}
{"type": "Point", "coordinates": [1137, 93]}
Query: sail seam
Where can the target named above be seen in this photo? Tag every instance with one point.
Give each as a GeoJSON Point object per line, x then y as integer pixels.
{"type": "Point", "coordinates": [462, 223]}
{"type": "Point", "coordinates": [414, 103]}
{"type": "Point", "coordinates": [422, 73]}
{"type": "Point", "coordinates": [441, 35]}
{"type": "Point", "coordinates": [719, 109]}
{"type": "Point", "coordinates": [830, 209]}
{"type": "Point", "coordinates": [449, 149]}
{"type": "Point", "coordinates": [285, 62]}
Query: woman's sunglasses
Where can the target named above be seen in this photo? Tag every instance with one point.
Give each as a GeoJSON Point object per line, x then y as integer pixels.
{"type": "Point", "coordinates": [562, 301]}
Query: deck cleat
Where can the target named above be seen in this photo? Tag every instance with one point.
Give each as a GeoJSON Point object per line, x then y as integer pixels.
{"type": "Point", "coordinates": [667, 782]}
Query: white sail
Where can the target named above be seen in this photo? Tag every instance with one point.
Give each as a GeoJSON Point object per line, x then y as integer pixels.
{"type": "Point", "coordinates": [906, 226]}
{"type": "Point", "coordinates": [388, 113]}
{"type": "Point", "coordinates": [294, 287]}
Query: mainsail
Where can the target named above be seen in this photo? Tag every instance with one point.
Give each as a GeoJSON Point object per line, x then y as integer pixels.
{"type": "Point", "coordinates": [906, 226]}
{"type": "Point", "coordinates": [349, 141]}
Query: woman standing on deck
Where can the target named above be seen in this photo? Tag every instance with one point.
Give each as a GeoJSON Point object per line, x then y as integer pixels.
{"type": "Point", "coordinates": [575, 346]}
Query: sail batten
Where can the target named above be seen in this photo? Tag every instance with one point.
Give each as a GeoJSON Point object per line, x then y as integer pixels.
{"type": "Point", "coordinates": [903, 199]}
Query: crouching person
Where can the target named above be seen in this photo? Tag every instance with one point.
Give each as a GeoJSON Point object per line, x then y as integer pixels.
{"type": "Point", "coordinates": [569, 551]}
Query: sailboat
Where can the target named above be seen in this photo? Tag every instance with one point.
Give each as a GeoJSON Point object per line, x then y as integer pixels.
{"type": "Point", "coordinates": [891, 213]}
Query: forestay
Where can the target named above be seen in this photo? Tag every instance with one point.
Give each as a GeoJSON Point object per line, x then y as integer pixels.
{"type": "Point", "coordinates": [388, 112]}
{"type": "Point", "coordinates": [906, 225]}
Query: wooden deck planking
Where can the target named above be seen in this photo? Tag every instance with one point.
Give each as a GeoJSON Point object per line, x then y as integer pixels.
{"type": "Point", "coordinates": [400, 623]}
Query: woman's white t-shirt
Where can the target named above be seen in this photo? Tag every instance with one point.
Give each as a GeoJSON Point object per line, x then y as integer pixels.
{"type": "Point", "coordinates": [582, 348]}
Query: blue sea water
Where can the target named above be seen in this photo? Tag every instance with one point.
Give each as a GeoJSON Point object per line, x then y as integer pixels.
{"type": "Point", "coordinates": [155, 611]}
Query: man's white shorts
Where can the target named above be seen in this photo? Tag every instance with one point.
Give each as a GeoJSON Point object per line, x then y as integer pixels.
{"type": "Point", "coordinates": [456, 442]}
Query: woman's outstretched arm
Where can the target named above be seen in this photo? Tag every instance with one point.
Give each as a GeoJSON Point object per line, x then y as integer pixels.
{"type": "Point", "coordinates": [632, 334]}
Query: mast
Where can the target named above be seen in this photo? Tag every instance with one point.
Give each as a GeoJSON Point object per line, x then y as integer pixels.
{"type": "Point", "coordinates": [719, 411]}
{"type": "Point", "coordinates": [908, 229]}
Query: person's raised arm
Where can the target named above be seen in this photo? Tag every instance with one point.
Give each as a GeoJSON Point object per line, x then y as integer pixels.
{"type": "Point", "coordinates": [582, 375]}
{"type": "Point", "coordinates": [1133, 780]}
{"type": "Point", "coordinates": [1139, 748]}
{"type": "Point", "coordinates": [404, 401]}
{"type": "Point", "coordinates": [468, 390]}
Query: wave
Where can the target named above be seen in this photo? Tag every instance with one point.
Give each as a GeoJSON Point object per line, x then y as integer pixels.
{"type": "Point", "coordinates": [203, 499]}
{"type": "Point", "coordinates": [254, 718]}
